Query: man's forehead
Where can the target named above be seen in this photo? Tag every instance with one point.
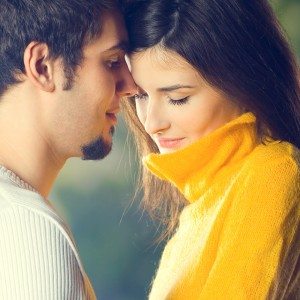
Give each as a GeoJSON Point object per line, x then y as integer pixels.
{"type": "Point", "coordinates": [113, 25]}
{"type": "Point", "coordinates": [106, 46]}
{"type": "Point", "coordinates": [113, 36]}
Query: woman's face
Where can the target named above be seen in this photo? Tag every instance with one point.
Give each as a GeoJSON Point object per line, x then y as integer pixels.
{"type": "Point", "coordinates": [175, 104]}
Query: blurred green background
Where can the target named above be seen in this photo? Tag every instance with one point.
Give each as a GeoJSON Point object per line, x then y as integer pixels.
{"type": "Point", "coordinates": [115, 239]}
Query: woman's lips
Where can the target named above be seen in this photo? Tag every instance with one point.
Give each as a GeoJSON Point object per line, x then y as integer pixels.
{"type": "Point", "coordinates": [170, 142]}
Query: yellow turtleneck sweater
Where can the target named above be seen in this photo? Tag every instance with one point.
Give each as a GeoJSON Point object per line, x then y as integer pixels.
{"type": "Point", "coordinates": [234, 236]}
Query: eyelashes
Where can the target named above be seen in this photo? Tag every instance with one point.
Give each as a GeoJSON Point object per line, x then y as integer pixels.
{"type": "Point", "coordinates": [115, 63]}
{"type": "Point", "coordinates": [179, 101]}
{"type": "Point", "coordinates": [139, 97]}
{"type": "Point", "coordinates": [144, 97]}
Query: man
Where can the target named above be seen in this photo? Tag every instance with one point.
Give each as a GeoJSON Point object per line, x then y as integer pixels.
{"type": "Point", "coordinates": [62, 76]}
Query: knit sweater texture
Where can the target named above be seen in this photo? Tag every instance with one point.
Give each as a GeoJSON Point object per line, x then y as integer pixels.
{"type": "Point", "coordinates": [238, 237]}
{"type": "Point", "coordinates": [38, 256]}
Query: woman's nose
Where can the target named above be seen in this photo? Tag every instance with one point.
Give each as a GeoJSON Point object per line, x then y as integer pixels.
{"type": "Point", "coordinates": [156, 120]}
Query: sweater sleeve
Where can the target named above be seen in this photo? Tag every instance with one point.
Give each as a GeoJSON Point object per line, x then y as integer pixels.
{"type": "Point", "coordinates": [36, 258]}
{"type": "Point", "coordinates": [259, 229]}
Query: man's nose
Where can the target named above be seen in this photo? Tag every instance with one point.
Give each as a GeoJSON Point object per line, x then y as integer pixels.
{"type": "Point", "coordinates": [126, 86]}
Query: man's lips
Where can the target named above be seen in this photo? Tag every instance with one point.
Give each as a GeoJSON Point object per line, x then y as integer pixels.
{"type": "Point", "coordinates": [169, 142]}
{"type": "Point", "coordinates": [112, 114]}
{"type": "Point", "coordinates": [112, 117]}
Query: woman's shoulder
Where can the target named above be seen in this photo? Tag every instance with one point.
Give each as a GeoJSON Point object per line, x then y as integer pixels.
{"type": "Point", "coordinates": [272, 170]}
{"type": "Point", "coordinates": [275, 156]}
{"type": "Point", "coordinates": [267, 187]}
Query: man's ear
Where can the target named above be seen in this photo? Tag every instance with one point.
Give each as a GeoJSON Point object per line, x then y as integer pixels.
{"type": "Point", "coordinates": [38, 66]}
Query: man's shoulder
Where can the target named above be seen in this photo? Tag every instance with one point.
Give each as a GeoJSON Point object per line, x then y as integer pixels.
{"type": "Point", "coordinates": [12, 196]}
{"type": "Point", "coordinates": [22, 204]}
{"type": "Point", "coordinates": [35, 247]}
{"type": "Point", "coordinates": [26, 211]}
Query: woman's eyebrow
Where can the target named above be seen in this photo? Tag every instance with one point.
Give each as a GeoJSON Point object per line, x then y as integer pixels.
{"type": "Point", "coordinates": [174, 87]}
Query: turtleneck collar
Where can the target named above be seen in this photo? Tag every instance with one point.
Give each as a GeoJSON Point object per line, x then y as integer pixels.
{"type": "Point", "coordinates": [193, 168]}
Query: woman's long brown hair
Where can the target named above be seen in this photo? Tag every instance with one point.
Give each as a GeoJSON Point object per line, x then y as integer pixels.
{"type": "Point", "coordinates": [239, 48]}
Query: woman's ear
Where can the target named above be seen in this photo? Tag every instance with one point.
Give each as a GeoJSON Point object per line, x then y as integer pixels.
{"type": "Point", "coordinates": [38, 66]}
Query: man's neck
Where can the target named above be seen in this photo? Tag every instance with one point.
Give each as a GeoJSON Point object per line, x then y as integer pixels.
{"type": "Point", "coordinates": [25, 148]}
{"type": "Point", "coordinates": [37, 168]}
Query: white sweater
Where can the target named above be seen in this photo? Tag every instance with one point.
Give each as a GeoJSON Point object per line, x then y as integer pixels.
{"type": "Point", "coordinates": [38, 257]}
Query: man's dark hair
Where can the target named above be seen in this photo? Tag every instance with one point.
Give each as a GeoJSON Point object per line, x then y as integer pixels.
{"type": "Point", "coordinates": [64, 25]}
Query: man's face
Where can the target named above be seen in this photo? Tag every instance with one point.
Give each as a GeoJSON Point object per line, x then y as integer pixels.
{"type": "Point", "coordinates": [84, 117]}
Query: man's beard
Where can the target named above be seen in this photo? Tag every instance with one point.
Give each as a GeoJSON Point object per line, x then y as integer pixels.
{"type": "Point", "coordinates": [97, 149]}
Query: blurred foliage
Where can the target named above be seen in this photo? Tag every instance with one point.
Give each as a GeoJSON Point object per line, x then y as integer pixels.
{"type": "Point", "coordinates": [288, 12]}
{"type": "Point", "coordinates": [115, 239]}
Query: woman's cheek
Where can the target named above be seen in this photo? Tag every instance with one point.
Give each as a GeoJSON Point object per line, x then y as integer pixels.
{"type": "Point", "coordinates": [141, 110]}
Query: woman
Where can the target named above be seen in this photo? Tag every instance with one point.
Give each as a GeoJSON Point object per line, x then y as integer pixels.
{"type": "Point", "coordinates": [217, 118]}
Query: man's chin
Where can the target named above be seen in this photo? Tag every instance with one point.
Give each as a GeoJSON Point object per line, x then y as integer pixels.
{"type": "Point", "coordinates": [96, 150]}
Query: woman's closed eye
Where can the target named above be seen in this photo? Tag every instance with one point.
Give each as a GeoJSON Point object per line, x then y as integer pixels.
{"type": "Point", "coordinates": [181, 101]}
{"type": "Point", "coordinates": [144, 96]}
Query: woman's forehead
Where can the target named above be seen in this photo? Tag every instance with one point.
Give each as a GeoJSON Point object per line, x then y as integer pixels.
{"type": "Point", "coordinates": [160, 57]}
{"type": "Point", "coordinates": [159, 66]}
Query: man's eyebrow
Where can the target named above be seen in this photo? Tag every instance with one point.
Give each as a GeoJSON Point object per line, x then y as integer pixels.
{"type": "Point", "coordinates": [124, 46]}
{"type": "Point", "coordinates": [174, 88]}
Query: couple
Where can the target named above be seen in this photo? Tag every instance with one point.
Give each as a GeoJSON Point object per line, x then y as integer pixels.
{"type": "Point", "coordinates": [213, 102]}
